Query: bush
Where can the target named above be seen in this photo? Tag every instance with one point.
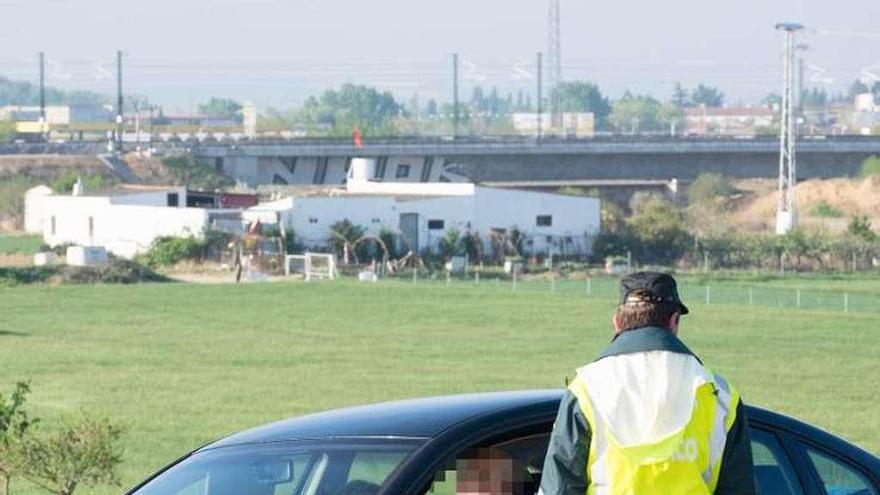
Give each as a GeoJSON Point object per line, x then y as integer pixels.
{"type": "Point", "coordinates": [119, 271]}
{"type": "Point", "coordinates": [612, 245]}
{"type": "Point", "coordinates": [168, 251]}
{"type": "Point", "coordinates": [450, 244]}
{"type": "Point", "coordinates": [860, 227]}
{"type": "Point", "coordinates": [709, 187]}
{"type": "Point", "coordinates": [196, 173]}
{"type": "Point", "coordinates": [344, 232]}
{"type": "Point", "coordinates": [871, 166]}
{"type": "Point", "coordinates": [84, 451]}
{"type": "Point", "coordinates": [661, 229]}
{"type": "Point", "coordinates": [7, 131]}
{"type": "Point", "coordinates": [389, 239]}
{"type": "Point", "coordinates": [10, 276]}
{"type": "Point", "coordinates": [12, 190]}
{"type": "Point", "coordinates": [825, 210]}
{"type": "Point", "coordinates": [639, 200]}
{"type": "Point", "coordinates": [15, 424]}
{"type": "Point", "coordinates": [64, 184]}
{"type": "Point", "coordinates": [291, 241]}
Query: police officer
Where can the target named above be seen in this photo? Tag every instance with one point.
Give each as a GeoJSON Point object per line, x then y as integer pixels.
{"type": "Point", "coordinates": [647, 417]}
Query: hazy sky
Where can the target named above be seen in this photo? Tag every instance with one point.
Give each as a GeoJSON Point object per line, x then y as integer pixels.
{"type": "Point", "coordinates": [276, 52]}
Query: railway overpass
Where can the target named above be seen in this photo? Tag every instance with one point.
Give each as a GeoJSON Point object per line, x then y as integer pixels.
{"type": "Point", "coordinates": [604, 162]}
{"type": "Point", "coordinates": [519, 160]}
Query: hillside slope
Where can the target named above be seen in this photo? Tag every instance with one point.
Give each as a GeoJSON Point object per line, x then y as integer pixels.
{"type": "Point", "coordinates": [827, 204]}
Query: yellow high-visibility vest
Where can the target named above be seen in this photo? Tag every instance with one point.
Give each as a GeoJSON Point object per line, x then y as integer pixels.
{"type": "Point", "coordinates": [659, 423]}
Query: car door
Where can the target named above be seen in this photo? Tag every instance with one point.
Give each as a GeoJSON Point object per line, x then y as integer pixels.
{"type": "Point", "coordinates": [792, 458]}
{"type": "Point", "coordinates": [834, 471]}
{"type": "Point", "coordinates": [775, 470]}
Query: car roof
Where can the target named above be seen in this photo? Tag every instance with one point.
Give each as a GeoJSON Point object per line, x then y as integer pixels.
{"type": "Point", "coordinates": [428, 417]}
{"type": "Point", "coordinates": [413, 418]}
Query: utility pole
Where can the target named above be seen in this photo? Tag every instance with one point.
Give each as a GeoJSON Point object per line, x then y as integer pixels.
{"type": "Point", "coordinates": [538, 107]}
{"type": "Point", "coordinates": [554, 59]}
{"type": "Point", "coordinates": [119, 101]}
{"type": "Point", "coordinates": [454, 95]}
{"type": "Point", "coordinates": [42, 94]}
{"type": "Point", "coordinates": [801, 47]}
{"type": "Point", "coordinates": [785, 211]}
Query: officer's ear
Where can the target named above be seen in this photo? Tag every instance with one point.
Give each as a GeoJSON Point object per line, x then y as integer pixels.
{"type": "Point", "coordinates": [615, 321]}
{"type": "Point", "coordinates": [673, 322]}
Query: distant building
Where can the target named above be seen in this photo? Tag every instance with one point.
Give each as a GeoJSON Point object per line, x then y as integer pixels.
{"type": "Point", "coordinates": [730, 121]}
{"type": "Point", "coordinates": [125, 222]}
{"type": "Point", "coordinates": [194, 120]}
{"type": "Point", "coordinates": [865, 117]}
{"type": "Point", "coordinates": [58, 114]}
{"type": "Point", "coordinates": [573, 124]}
{"type": "Point", "coordinates": [423, 213]}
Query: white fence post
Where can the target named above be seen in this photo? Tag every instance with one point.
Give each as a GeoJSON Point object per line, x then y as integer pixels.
{"type": "Point", "coordinates": [589, 286]}
{"type": "Point", "coordinates": [708, 296]}
{"type": "Point", "coordinates": [798, 298]}
{"type": "Point", "coordinates": [846, 303]}
{"type": "Point", "coordinates": [476, 278]}
{"type": "Point", "coordinates": [416, 275]}
{"type": "Point", "coordinates": [751, 297]}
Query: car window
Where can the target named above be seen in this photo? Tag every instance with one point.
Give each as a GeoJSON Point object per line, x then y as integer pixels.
{"type": "Point", "coordinates": [838, 477]}
{"type": "Point", "coordinates": [374, 467]}
{"type": "Point", "coordinates": [510, 467]}
{"type": "Point", "coordinates": [773, 471]}
{"type": "Point", "coordinates": [295, 468]}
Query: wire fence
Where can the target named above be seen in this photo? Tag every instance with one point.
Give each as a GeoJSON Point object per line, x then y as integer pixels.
{"type": "Point", "coordinates": [722, 293]}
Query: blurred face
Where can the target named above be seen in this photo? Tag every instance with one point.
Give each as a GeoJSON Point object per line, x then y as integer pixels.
{"type": "Point", "coordinates": [488, 476]}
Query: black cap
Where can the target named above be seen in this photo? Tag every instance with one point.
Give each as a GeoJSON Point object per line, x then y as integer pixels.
{"type": "Point", "coordinates": [659, 285]}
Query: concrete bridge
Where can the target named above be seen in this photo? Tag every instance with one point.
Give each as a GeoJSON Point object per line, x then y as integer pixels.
{"type": "Point", "coordinates": [511, 160]}
{"type": "Point", "coordinates": [605, 162]}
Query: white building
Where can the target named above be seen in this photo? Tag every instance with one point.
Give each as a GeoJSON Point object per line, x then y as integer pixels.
{"type": "Point", "coordinates": [422, 214]}
{"type": "Point", "coordinates": [58, 114]}
{"type": "Point", "coordinates": [574, 124]}
{"type": "Point", "coordinates": [732, 121]}
{"type": "Point", "coordinates": [124, 222]}
{"type": "Point", "coordinates": [127, 222]}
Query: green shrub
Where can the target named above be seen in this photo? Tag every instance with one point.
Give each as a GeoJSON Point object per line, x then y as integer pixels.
{"type": "Point", "coordinates": [291, 241]}
{"type": "Point", "coordinates": [661, 229]}
{"type": "Point", "coordinates": [93, 182]}
{"type": "Point", "coordinates": [825, 210]}
{"type": "Point", "coordinates": [871, 166]}
{"type": "Point", "coordinates": [709, 186]}
{"type": "Point", "coordinates": [168, 251]}
{"type": "Point", "coordinates": [344, 232]}
{"type": "Point", "coordinates": [10, 276]}
{"type": "Point", "coordinates": [118, 271]}
{"type": "Point", "coordinates": [85, 451]}
{"type": "Point", "coordinates": [197, 174]}
{"type": "Point", "coordinates": [860, 227]}
{"type": "Point", "coordinates": [12, 190]}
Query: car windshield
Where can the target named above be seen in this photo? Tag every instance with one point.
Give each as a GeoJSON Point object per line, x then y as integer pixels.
{"type": "Point", "coordinates": [287, 468]}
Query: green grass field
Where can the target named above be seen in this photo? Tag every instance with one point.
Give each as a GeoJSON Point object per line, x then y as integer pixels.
{"type": "Point", "coordinates": [180, 365]}
{"type": "Point", "coordinates": [25, 244]}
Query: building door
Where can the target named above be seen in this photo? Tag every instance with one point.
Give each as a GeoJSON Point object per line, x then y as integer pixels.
{"type": "Point", "coordinates": [409, 228]}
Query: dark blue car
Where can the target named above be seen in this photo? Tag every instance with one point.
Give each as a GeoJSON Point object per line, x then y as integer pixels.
{"type": "Point", "coordinates": [412, 447]}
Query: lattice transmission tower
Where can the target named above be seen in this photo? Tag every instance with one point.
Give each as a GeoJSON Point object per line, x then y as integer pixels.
{"type": "Point", "coordinates": [785, 210]}
{"type": "Point", "coordinates": [554, 60]}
